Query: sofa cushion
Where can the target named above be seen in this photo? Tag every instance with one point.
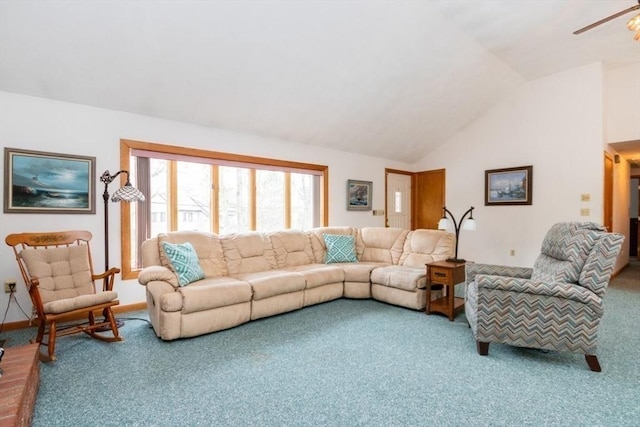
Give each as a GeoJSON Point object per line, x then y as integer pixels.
{"type": "Point", "coordinates": [359, 272]}
{"type": "Point", "coordinates": [213, 293]}
{"type": "Point", "coordinates": [183, 261]}
{"type": "Point", "coordinates": [206, 245]}
{"type": "Point", "coordinates": [382, 244]}
{"type": "Point", "coordinates": [319, 274]}
{"type": "Point", "coordinates": [292, 248]}
{"type": "Point", "coordinates": [249, 252]}
{"type": "Point", "coordinates": [424, 246]}
{"type": "Point", "coordinates": [320, 248]}
{"type": "Point", "coordinates": [340, 248]}
{"type": "Point", "coordinates": [395, 276]}
{"type": "Point", "coordinates": [271, 283]}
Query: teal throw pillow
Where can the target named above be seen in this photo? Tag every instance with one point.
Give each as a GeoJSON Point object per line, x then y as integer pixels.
{"type": "Point", "coordinates": [184, 262]}
{"type": "Point", "coordinates": [340, 248]}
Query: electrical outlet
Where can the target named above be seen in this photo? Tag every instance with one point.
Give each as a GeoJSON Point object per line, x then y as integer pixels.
{"type": "Point", "coordinates": [585, 212]}
{"type": "Point", "coordinates": [9, 286]}
{"type": "Point", "coordinates": [585, 197]}
{"type": "Point", "coordinates": [512, 252]}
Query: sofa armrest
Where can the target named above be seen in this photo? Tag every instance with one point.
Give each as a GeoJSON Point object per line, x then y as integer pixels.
{"type": "Point", "coordinates": [560, 290]}
{"type": "Point", "coordinates": [473, 268]}
{"type": "Point", "coordinates": [156, 272]}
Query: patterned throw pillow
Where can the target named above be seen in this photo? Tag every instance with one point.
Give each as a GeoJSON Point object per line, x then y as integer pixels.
{"type": "Point", "coordinates": [340, 248]}
{"type": "Point", "coordinates": [184, 262]}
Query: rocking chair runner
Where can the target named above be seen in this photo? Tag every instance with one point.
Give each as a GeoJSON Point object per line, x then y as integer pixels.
{"type": "Point", "coordinates": [58, 272]}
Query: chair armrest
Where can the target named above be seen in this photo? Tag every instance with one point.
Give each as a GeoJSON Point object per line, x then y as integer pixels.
{"type": "Point", "coordinates": [108, 278]}
{"type": "Point", "coordinates": [157, 272]}
{"type": "Point", "coordinates": [473, 268]}
{"type": "Point", "coordinates": [553, 289]}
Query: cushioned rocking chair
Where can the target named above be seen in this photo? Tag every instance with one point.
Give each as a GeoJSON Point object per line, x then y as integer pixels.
{"type": "Point", "coordinates": [58, 272]}
{"type": "Point", "coordinates": [556, 305]}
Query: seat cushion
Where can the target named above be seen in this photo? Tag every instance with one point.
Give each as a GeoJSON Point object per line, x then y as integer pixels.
{"type": "Point", "coordinates": [319, 274]}
{"type": "Point", "coordinates": [79, 302]}
{"type": "Point", "coordinates": [396, 276]}
{"type": "Point", "coordinates": [270, 283]}
{"type": "Point", "coordinates": [214, 293]}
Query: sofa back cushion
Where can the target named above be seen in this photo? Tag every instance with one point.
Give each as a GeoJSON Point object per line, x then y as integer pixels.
{"type": "Point", "coordinates": [248, 252]}
{"type": "Point", "coordinates": [424, 246]}
{"type": "Point", "coordinates": [292, 248]}
{"type": "Point", "coordinates": [564, 251]}
{"type": "Point", "coordinates": [207, 246]}
{"type": "Point", "coordinates": [382, 244]}
{"type": "Point", "coordinates": [319, 246]}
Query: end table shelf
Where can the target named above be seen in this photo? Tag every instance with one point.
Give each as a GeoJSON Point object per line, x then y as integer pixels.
{"type": "Point", "coordinates": [448, 275]}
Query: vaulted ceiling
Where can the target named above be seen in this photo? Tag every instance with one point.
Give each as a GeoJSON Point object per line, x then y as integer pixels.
{"type": "Point", "coordinates": [390, 79]}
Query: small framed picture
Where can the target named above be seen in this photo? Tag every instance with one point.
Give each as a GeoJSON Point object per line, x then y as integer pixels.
{"type": "Point", "coordinates": [508, 186]}
{"type": "Point", "coordinates": [359, 195]}
{"type": "Point", "coordinates": [40, 182]}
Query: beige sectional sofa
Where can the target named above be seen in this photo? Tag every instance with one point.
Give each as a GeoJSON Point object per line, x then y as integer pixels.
{"type": "Point", "coordinates": [252, 275]}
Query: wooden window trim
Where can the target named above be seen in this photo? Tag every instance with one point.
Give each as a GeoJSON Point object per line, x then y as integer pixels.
{"type": "Point", "coordinates": [127, 146]}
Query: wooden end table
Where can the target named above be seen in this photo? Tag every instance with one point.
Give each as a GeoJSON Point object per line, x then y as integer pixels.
{"type": "Point", "coordinates": [448, 275]}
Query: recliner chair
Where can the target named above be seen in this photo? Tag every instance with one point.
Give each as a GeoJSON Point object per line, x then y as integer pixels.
{"type": "Point", "coordinates": [557, 304]}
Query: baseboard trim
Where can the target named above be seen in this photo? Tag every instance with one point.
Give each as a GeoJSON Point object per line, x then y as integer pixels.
{"type": "Point", "coordinates": [12, 326]}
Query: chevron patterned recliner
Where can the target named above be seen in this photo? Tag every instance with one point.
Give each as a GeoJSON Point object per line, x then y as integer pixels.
{"type": "Point", "coordinates": [557, 304]}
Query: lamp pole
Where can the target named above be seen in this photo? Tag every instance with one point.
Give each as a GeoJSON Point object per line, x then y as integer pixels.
{"type": "Point", "coordinates": [107, 178]}
{"type": "Point", "coordinates": [457, 226]}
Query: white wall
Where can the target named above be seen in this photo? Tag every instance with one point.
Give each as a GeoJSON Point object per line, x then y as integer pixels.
{"type": "Point", "coordinates": [555, 124]}
{"type": "Point", "coordinates": [622, 108]}
{"type": "Point", "coordinates": [46, 125]}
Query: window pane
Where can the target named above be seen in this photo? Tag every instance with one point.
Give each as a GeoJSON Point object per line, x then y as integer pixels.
{"type": "Point", "coordinates": [233, 199]}
{"type": "Point", "coordinates": [269, 200]}
{"type": "Point", "coordinates": [194, 196]}
{"type": "Point", "coordinates": [158, 198]}
{"type": "Point", "coordinates": [302, 201]}
{"type": "Point", "coordinates": [398, 204]}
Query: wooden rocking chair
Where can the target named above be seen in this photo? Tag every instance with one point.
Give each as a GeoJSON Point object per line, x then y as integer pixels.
{"type": "Point", "coordinates": [58, 272]}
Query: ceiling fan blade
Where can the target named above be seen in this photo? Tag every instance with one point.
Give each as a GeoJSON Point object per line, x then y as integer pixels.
{"type": "Point", "coordinates": [607, 19]}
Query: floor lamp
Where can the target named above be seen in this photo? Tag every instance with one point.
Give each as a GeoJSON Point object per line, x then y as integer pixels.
{"type": "Point", "coordinates": [469, 224]}
{"type": "Point", "coordinates": [128, 193]}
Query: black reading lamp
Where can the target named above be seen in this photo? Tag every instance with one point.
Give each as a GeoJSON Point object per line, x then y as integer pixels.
{"type": "Point", "coordinates": [469, 224]}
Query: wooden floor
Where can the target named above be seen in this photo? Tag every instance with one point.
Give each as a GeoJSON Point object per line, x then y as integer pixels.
{"type": "Point", "coordinates": [19, 385]}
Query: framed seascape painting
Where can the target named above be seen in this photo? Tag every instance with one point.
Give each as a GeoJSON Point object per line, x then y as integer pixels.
{"type": "Point", "coordinates": [359, 194]}
{"type": "Point", "coordinates": [40, 182]}
{"type": "Point", "coordinates": [509, 186]}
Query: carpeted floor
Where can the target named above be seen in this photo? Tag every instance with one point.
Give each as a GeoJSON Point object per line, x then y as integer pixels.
{"type": "Point", "coordinates": [629, 277]}
{"type": "Point", "coordinates": [342, 363]}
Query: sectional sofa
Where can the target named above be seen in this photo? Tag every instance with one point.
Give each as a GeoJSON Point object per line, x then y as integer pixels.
{"type": "Point", "coordinates": [248, 276]}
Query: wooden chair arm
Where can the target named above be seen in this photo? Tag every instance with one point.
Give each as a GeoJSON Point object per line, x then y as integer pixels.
{"type": "Point", "coordinates": [108, 278]}
{"type": "Point", "coordinates": [34, 294]}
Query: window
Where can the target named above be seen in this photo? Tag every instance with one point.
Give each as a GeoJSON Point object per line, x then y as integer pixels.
{"type": "Point", "coordinates": [190, 189]}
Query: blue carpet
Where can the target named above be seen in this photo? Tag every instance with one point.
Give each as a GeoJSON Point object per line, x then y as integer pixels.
{"type": "Point", "coordinates": [342, 363]}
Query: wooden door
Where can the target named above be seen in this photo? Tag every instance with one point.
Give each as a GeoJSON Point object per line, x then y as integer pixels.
{"type": "Point", "coordinates": [429, 198]}
{"type": "Point", "coordinates": [607, 221]}
{"type": "Point", "coordinates": [398, 203]}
